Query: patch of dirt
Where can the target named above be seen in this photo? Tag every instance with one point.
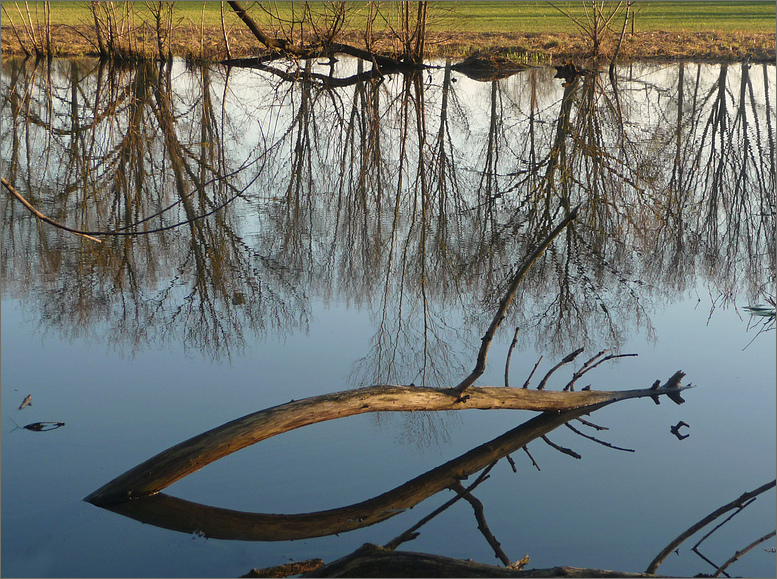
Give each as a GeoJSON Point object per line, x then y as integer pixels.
{"type": "Point", "coordinates": [497, 50]}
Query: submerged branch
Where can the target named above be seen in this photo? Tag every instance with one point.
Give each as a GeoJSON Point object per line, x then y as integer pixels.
{"type": "Point", "coordinates": [738, 503]}
{"type": "Point", "coordinates": [180, 515]}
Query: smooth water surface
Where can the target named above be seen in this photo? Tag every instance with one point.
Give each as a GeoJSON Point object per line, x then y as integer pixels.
{"type": "Point", "coordinates": [296, 238]}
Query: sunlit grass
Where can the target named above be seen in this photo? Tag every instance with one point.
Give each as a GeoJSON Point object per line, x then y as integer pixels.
{"type": "Point", "coordinates": [478, 17]}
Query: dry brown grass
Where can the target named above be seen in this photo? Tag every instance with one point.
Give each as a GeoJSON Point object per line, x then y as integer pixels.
{"type": "Point", "coordinates": [518, 47]}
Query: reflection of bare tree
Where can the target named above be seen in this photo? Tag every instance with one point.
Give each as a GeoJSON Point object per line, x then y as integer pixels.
{"type": "Point", "coordinates": [123, 145]}
{"type": "Point", "coordinates": [389, 191]}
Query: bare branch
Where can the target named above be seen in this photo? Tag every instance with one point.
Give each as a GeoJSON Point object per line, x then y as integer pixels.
{"type": "Point", "coordinates": [568, 358]}
{"type": "Point", "coordinates": [509, 355]}
{"type": "Point", "coordinates": [738, 503]}
{"type": "Point", "coordinates": [562, 449]}
{"type": "Point", "coordinates": [602, 442]}
{"type": "Point", "coordinates": [739, 554]}
{"type": "Point", "coordinates": [526, 384]}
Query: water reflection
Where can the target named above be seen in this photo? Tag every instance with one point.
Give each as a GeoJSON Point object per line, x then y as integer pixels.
{"type": "Point", "coordinates": [177, 514]}
{"type": "Point", "coordinates": [415, 196]}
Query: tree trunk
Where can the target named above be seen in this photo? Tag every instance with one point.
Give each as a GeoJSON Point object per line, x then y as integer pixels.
{"type": "Point", "coordinates": [190, 456]}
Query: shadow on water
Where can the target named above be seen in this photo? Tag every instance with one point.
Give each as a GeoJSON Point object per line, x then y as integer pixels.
{"type": "Point", "coordinates": [229, 200]}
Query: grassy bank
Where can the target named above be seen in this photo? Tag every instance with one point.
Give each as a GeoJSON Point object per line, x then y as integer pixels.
{"type": "Point", "coordinates": [527, 31]}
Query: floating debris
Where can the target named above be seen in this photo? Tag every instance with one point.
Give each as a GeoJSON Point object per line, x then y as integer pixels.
{"type": "Point", "coordinates": [26, 402]}
{"type": "Point", "coordinates": [676, 430]}
{"type": "Point", "coordinates": [40, 426]}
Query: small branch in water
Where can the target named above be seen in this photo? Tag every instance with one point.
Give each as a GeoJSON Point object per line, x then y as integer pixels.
{"type": "Point", "coordinates": [509, 355]}
{"type": "Point", "coordinates": [739, 554]}
{"type": "Point", "coordinates": [738, 503]}
{"type": "Point", "coordinates": [562, 449]}
{"type": "Point", "coordinates": [602, 442]}
{"type": "Point", "coordinates": [564, 360]}
{"type": "Point", "coordinates": [526, 384]}
{"type": "Point", "coordinates": [480, 517]}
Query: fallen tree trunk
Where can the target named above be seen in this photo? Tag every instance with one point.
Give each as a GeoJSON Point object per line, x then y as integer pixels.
{"type": "Point", "coordinates": [191, 455]}
{"type": "Point", "coordinates": [375, 561]}
{"type": "Point", "coordinates": [177, 514]}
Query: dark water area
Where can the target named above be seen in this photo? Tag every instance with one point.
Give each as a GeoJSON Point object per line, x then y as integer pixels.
{"type": "Point", "coordinates": [288, 232]}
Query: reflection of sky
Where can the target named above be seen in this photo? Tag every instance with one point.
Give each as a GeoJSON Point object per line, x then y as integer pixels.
{"type": "Point", "coordinates": [609, 510]}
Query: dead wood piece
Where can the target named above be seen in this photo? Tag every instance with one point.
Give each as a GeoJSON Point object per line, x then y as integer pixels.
{"type": "Point", "coordinates": [180, 515]}
{"type": "Point", "coordinates": [191, 455]}
{"type": "Point", "coordinates": [26, 402]}
{"type": "Point", "coordinates": [737, 503]}
{"type": "Point", "coordinates": [374, 561]}
{"type": "Point", "coordinates": [287, 569]}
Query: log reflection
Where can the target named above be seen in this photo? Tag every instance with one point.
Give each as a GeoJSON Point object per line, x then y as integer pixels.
{"type": "Point", "coordinates": [180, 515]}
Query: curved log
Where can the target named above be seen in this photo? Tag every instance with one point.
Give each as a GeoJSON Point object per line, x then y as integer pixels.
{"type": "Point", "coordinates": [176, 514]}
{"type": "Point", "coordinates": [162, 470]}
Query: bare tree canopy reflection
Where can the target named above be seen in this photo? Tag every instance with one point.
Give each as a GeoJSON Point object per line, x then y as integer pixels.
{"type": "Point", "coordinates": [414, 195]}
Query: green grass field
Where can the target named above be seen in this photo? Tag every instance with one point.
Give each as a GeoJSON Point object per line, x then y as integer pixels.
{"type": "Point", "coordinates": [496, 17]}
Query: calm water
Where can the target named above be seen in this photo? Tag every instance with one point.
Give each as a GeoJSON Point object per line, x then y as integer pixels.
{"type": "Point", "coordinates": [292, 239]}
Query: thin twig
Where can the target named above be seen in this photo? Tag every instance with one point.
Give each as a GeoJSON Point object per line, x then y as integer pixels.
{"type": "Point", "coordinates": [564, 360]}
{"type": "Point", "coordinates": [739, 554]}
{"type": "Point", "coordinates": [534, 462]}
{"type": "Point", "coordinates": [480, 517]}
{"type": "Point", "coordinates": [568, 451]}
{"type": "Point", "coordinates": [587, 368]}
{"type": "Point", "coordinates": [592, 425]}
{"type": "Point", "coordinates": [719, 525]}
{"type": "Point", "coordinates": [411, 534]}
{"type": "Point", "coordinates": [583, 370]}
{"type": "Point", "coordinates": [509, 355]}
{"type": "Point", "coordinates": [526, 384]}
{"type": "Point", "coordinates": [607, 444]}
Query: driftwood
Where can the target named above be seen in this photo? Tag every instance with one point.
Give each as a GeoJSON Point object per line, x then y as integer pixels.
{"type": "Point", "coordinates": [180, 515]}
{"type": "Point", "coordinates": [190, 456]}
{"type": "Point", "coordinates": [374, 561]}
{"type": "Point", "coordinates": [172, 513]}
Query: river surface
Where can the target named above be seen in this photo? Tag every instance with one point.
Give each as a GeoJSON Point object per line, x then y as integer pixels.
{"type": "Point", "coordinates": [290, 235]}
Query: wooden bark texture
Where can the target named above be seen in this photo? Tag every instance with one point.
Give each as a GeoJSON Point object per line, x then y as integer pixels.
{"type": "Point", "coordinates": [162, 470]}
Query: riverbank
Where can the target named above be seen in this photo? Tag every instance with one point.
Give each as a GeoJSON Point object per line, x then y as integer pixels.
{"type": "Point", "coordinates": [208, 45]}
